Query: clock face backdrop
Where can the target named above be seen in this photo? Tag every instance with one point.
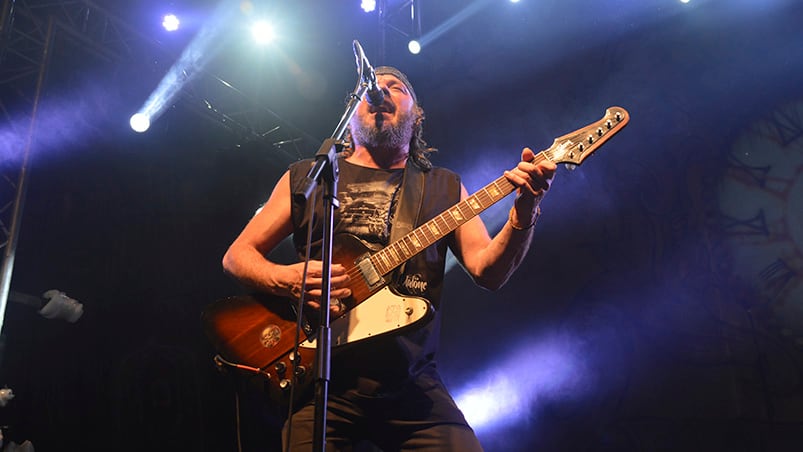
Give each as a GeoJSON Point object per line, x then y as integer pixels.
{"type": "Point", "coordinates": [761, 214]}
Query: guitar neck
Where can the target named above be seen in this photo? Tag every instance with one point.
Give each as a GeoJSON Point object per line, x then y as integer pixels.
{"type": "Point", "coordinates": [572, 149]}
{"type": "Point", "coordinates": [433, 230]}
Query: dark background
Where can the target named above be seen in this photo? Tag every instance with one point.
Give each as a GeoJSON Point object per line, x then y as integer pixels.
{"type": "Point", "coordinates": [660, 308]}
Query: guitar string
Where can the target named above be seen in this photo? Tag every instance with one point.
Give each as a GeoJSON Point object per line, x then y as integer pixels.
{"type": "Point", "coordinates": [483, 198]}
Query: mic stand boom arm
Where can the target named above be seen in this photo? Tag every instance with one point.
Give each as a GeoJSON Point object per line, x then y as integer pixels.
{"type": "Point", "coordinates": [325, 171]}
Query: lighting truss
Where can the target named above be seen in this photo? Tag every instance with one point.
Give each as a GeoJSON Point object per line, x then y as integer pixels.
{"type": "Point", "coordinates": [404, 19]}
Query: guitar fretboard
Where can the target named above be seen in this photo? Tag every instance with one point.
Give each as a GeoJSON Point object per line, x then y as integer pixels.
{"type": "Point", "coordinates": [433, 230]}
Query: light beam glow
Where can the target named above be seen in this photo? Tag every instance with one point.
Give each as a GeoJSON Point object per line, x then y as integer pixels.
{"type": "Point", "coordinates": [63, 122]}
{"type": "Point", "coordinates": [548, 368]}
{"type": "Point", "coordinates": [472, 8]}
{"type": "Point", "coordinates": [192, 60]}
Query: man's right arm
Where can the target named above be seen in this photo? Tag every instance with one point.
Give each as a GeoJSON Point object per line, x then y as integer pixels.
{"type": "Point", "coordinates": [245, 259]}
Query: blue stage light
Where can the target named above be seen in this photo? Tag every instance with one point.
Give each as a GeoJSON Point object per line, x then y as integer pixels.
{"type": "Point", "coordinates": [170, 22]}
{"type": "Point", "coordinates": [368, 5]}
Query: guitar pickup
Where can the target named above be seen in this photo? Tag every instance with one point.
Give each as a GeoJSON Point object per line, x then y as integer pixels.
{"type": "Point", "coordinates": [369, 273]}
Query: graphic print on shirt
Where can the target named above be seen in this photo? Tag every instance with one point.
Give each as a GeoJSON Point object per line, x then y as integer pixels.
{"type": "Point", "coordinates": [365, 208]}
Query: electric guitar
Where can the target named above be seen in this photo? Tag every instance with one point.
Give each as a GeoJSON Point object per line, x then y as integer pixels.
{"type": "Point", "coordinates": [257, 333]}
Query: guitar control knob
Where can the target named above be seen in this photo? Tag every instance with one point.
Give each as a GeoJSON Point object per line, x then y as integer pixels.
{"type": "Point", "coordinates": [300, 371]}
{"type": "Point", "coordinates": [291, 356]}
{"type": "Point", "coordinates": [284, 385]}
{"type": "Point", "coordinates": [280, 367]}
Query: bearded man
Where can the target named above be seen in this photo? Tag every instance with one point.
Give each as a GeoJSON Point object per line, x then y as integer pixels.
{"type": "Point", "coordinates": [387, 390]}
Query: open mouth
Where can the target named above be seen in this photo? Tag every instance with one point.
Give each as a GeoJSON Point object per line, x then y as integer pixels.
{"type": "Point", "coordinates": [385, 108]}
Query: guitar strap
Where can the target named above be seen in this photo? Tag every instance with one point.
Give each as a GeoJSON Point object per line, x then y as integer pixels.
{"type": "Point", "coordinates": [408, 207]}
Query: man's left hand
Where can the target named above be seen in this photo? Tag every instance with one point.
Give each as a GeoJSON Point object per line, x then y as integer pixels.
{"type": "Point", "coordinates": [532, 179]}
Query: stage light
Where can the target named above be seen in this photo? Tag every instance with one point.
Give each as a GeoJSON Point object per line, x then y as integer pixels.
{"type": "Point", "coordinates": [262, 32]}
{"type": "Point", "coordinates": [368, 5]}
{"type": "Point", "coordinates": [194, 57]}
{"type": "Point", "coordinates": [170, 22]}
{"type": "Point", "coordinates": [684, 1]}
{"type": "Point", "coordinates": [514, 1]}
{"type": "Point", "coordinates": [140, 122]}
{"type": "Point", "coordinates": [414, 47]}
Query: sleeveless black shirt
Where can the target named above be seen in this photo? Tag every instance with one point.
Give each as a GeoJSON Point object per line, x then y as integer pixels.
{"type": "Point", "coordinates": [367, 199]}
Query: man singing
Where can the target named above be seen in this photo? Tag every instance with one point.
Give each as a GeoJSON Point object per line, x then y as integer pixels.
{"type": "Point", "coordinates": [387, 390]}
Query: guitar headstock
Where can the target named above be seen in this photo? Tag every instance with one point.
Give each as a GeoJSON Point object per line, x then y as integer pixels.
{"type": "Point", "coordinates": [576, 146]}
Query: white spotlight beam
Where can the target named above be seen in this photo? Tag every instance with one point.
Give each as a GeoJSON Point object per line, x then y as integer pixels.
{"type": "Point", "coordinates": [471, 9]}
{"type": "Point", "coordinates": [192, 60]}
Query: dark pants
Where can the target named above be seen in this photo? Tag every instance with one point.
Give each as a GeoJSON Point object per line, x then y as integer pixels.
{"type": "Point", "coordinates": [420, 416]}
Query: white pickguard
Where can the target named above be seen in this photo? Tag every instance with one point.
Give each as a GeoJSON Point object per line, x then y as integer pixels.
{"type": "Point", "coordinates": [383, 312]}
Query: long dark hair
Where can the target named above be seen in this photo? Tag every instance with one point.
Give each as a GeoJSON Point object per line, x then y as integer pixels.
{"type": "Point", "coordinates": [419, 149]}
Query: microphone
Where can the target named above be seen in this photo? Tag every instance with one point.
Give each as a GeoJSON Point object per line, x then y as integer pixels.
{"type": "Point", "coordinates": [375, 96]}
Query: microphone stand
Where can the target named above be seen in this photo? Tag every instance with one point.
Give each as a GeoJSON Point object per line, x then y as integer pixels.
{"type": "Point", "coordinates": [325, 171]}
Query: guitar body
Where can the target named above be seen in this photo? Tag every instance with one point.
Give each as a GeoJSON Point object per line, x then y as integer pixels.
{"type": "Point", "coordinates": [256, 333]}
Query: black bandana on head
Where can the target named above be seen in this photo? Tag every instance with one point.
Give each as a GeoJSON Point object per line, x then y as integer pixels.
{"type": "Point", "coordinates": [399, 75]}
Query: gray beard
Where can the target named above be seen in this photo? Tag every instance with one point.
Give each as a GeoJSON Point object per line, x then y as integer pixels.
{"type": "Point", "coordinates": [373, 134]}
